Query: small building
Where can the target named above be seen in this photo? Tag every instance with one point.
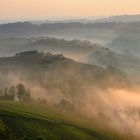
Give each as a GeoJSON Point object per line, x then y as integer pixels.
{"type": "Point", "coordinates": [16, 98]}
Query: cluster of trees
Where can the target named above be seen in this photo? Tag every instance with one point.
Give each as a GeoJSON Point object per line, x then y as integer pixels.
{"type": "Point", "coordinates": [18, 92]}
{"type": "Point", "coordinates": [66, 44]}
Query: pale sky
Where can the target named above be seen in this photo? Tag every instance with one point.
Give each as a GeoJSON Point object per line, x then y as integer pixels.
{"type": "Point", "coordinates": [71, 8]}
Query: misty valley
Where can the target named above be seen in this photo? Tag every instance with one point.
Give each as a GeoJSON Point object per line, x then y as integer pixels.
{"type": "Point", "coordinates": [70, 80]}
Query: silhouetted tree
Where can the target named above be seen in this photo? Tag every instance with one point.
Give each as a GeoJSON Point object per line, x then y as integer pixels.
{"type": "Point", "coordinates": [21, 92]}
{"type": "Point", "coordinates": [12, 91]}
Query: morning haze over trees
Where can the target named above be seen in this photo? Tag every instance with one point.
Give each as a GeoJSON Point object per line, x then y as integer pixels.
{"type": "Point", "coordinates": [70, 79]}
{"type": "Point", "coordinates": [18, 93]}
{"type": "Point", "coordinates": [52, 75]}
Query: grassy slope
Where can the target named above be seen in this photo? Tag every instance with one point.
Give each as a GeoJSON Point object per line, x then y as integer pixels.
{"type": "Point", "coordinates": [35, 120]}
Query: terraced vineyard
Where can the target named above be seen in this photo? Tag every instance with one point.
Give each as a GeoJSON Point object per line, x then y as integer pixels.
{"type": "Point", "coordinates": [36, 122]}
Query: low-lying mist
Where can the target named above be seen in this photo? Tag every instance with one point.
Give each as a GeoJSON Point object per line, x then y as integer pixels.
{"type": "Point", "coordinates": [118, 108]}
{"type": "Point", "coordinates": [101, 94]}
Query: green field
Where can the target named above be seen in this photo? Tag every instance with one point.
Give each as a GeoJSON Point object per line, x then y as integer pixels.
{"type": "Point", "coordinates": [35, 122]}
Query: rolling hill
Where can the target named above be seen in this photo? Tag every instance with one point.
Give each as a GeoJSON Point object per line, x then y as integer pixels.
{"type": "Point", "coordinates": [24, 121]}
{"type": "Point", "coordinates": [81, 51]}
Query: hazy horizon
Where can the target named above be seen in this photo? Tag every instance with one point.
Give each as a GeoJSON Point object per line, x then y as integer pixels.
{"type": "Point", "coordinates": [25, 9]}
{"type": "Point", "coordinates": [59, 18]}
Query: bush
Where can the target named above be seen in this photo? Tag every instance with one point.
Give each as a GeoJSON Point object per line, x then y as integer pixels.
{"type": "Point", "coordinates": [66, 105]}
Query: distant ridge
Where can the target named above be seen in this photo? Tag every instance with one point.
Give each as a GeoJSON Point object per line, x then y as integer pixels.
{"type": "Point", "coordinates": [116, 18]}
{"type": "Point", "coordinates": [121, 18]}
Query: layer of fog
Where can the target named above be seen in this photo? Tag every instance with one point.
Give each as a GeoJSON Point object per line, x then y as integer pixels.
{"type": "Point", "coordinates": [81, 51]}
{"type": "Point", "coordinates": [118, 108]}
{"type": "Point", "coordinates": [118, 36]}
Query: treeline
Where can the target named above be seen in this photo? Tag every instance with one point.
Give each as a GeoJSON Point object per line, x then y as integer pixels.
{"type": "Point", "coordinates": [75, 43]}
{"type": "Point", "coordinates": [18, 93]}
{"type": "Point", "coordinates": [22, 94]}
